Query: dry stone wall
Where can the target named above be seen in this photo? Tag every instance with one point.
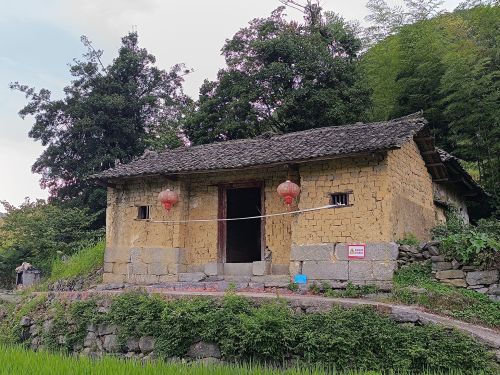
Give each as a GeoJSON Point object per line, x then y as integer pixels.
{"type": "Point", "coordinates": [451, 271]}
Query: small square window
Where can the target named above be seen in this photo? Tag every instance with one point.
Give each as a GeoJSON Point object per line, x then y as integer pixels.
{"type": "Point", "coordinates": [339, 199]}
{"type": "Point", "coordinates": [143, 212]}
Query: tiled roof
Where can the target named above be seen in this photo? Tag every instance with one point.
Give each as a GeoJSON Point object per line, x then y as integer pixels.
{"type": "Point", "coordinates": [274, 149]}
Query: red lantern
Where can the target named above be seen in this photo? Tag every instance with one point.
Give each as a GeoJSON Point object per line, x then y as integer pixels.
{"type": "Point", "coordinates": [168, 198]}
{"type": "Point", "coordinates": [288, 190]}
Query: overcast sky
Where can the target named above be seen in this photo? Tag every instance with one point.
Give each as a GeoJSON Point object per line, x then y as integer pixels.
{"type": "Point", "coordinates": [40, 38]}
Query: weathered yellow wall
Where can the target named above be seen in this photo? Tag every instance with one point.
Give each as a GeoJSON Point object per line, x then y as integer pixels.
{"type": "Point", "coordinates": [410, 188]}
{"type": "Point", "coordinates": [366, 219]}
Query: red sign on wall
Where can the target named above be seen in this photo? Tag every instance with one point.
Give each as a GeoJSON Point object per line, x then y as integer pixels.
{"type": "Point", "coordinates": [356, 251]}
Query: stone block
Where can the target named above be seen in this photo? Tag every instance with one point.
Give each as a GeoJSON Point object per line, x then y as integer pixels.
{"type": "Point", "coordinates": [441, 266]}
{"type": "Point", "coordinates": [214, 269]}
{"type": "Point", "coordinates": [157, 269]}
{"type": "Point", "coordinates": [111, 343]}
{"type": "Point", "coordinates": [204, 349]}
{"type": "Point", "coordinates": [108, 267]}
{"type": "Point", "coordinates": [324, 270]}
{"type": "Point", "coordinates": [450, 274]}
{"type": "Point", "coordinates": [261, 267]}
{"type": "Point", "coordinates": [279, 269]}
{"type": "Point", "coordinates": [238, 269]}
{"type": "Point", "coordinates": [313, 252]}
{"type": "Point", "coordinates": [360, 270]}
{"type": "Point", "coordinates": [294, 268]}
{"type": "Point", "coordinates": [163, 255]}
{"type": "Point", "coordinates": [143, 279]}
{"type": "Point", "coordinates": [460, 283]}
{"type": "Point", "coordinates": [383, 270]}
{"type": "Point", "coordinates": [482, 277]}
{"type": "Point", "coordinates": [438, 258]}
{"type": "Point", "coordinates": [121, 268]}
{"type": "Point", "coordinates": [116, 254]}
{"type": "Point", "coordinates": [194, 267]}
{"type": "Point", "coordinates": [138, 268]}
{"type": "Point", "coordinates": [112, 278]}
{"type": "Point", "coordinates": [270, 281]}
{"type": "Point", "coordinates": [494, 290]}
{"type": "Point", "coordinates": [168, 278]}
{"type": "Point", "coordinates": [132, 344]}
{"type": "Point", "coordinates": [147, 344]}
{"type": "Point", "coordinates": [175, 268]}
{"type": "Point", "coordinates": [192, 277]}
{"type": "Point", "coordinates": [373, 251]}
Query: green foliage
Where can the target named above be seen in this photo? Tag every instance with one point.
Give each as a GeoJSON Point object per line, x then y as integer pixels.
{"type": "Point", "coordinates": [38, 233]}
{"type": "Point", "coordinates": [293, 287]}
{"type": "Point", "coordinates": [469, 244]}
{"type": "Point", "coordinates": [18, 361]}
{"type": "Point", "coordinates": [447, 66]}
{"type": "Point", "coordinates": [282, 76]}
{"type": "Point", "coordinates": [81, 263]}
{"type": "Point", "coordinates": [272, 333]}
{"type": "Point", "coordinates": [413, 284]}
{"type": "Point", "coordinates": [351, 290]}
{"type": "Point", "coordinates": [409, 239]}
{"type": "Point", "coordinates": [107, 114]}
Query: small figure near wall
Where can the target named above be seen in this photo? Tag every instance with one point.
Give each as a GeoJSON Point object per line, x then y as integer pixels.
{"type": "Point", "coordinates": [27, 275]}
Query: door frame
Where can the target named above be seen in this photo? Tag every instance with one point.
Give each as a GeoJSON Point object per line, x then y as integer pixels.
{"type": "Point", "coordinates": [222, 214]}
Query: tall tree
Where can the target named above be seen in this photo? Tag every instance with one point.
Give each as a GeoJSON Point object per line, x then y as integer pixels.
{"type": "Point", "coordinates": [282, 76]}
{"type": "Point", "coordinates": [108, 114]}
{"type": "Point", "coordinates": [449, 66]}
{"type": "Point", "coordinates": [386, 20]}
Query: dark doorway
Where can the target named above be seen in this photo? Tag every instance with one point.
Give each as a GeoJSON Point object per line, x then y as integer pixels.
{"type": "Point", "coordinates": [243, 237]}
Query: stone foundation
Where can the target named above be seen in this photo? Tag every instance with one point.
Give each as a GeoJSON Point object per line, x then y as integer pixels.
{"type": "Point", "coordinates": [331, 263]}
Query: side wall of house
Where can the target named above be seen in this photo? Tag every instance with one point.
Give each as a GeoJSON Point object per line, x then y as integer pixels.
{"type": "Point", "coordinates": [410, 186]}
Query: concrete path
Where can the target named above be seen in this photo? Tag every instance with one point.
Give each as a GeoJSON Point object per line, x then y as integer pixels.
{"type": "Point", "coordinates": [312, 303]}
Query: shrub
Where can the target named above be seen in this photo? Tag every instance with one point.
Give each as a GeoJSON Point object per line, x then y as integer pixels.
{"type": "Point", "coordinates": [478, 245]}
{"type": "Point", "coordinates": [409, 239]}
{"type": "Point", "coordinates": [272, 333]}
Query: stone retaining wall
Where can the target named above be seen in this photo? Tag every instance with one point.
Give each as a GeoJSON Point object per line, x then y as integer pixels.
{"type": "Point", "coordinates": [451, 271]}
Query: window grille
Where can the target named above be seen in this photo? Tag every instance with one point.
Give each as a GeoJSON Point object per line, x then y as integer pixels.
{"type": "Point", "coordinates": [143, 212]}
{"type": "Point", "coordinates": [339, 199]}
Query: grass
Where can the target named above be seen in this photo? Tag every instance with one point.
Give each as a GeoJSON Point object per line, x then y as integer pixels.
{"type": "Point", "coordinates": [82, 263]}
{"type": "Point", "coordinates": [459, 303]}
{"type": "Point", "coordinates": [16, 360]}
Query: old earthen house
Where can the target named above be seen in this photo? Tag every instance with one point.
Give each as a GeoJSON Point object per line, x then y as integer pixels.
{"type": "Point", "coordinates": [380, 181]}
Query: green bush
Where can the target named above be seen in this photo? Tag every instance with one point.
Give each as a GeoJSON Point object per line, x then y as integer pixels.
{"type": "Point", "coordinates": [478, 245]}
{"type": "Point", "coordinates": [83, 262]}
{"type": "Point", "coordinates": [409, 239]}
{"type": "Point", "coordinates": [345, 339]}
{"type": "Point", "coordinates": [460, 303]}
{"type": "Point", "coordinates": [39, 233]}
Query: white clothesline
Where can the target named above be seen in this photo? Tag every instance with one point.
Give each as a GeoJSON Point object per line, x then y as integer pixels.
{"type": "Point", "coordinates": [245, 218]}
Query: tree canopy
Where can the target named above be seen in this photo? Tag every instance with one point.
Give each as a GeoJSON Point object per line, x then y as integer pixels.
{"type": "Point", "coordinates": [109, 114]}
{"type": "Point", "coordinates": [282, 76]}
{"type": "Point", "coordinates": [449, 66]}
